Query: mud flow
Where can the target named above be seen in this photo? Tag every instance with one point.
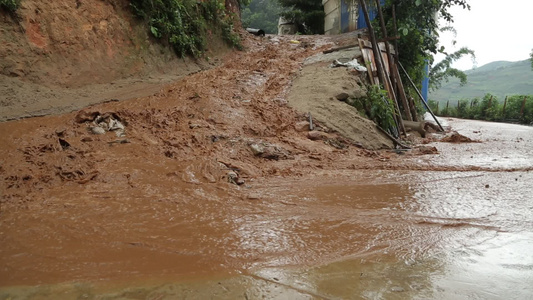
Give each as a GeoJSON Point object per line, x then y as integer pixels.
{"type": "Point", "coordinates": [214, 188]}
{"type": "Point", "coordinates": [375, 234]}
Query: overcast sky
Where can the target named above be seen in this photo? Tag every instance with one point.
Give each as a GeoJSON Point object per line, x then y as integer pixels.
{"type": "Point", "coordinates": [494, 29]}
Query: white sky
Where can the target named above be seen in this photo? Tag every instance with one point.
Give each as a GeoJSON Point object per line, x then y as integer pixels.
{"type": "Point", "coordinates": [494, 29]}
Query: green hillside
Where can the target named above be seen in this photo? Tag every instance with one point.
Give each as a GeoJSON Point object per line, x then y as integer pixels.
{"type": "Point", "coordinates": [500, 78]}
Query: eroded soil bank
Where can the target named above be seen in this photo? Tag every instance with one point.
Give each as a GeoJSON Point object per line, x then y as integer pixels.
{"type": "Point", "coordinates": [153, 213]}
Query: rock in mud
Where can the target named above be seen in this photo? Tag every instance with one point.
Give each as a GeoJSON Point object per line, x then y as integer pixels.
{"type": "Point", "coordinates": [317, 135]}
{"type": "Point", "coordinates": [257, 149]}
{"type": "Point", "coordinates": [97, 130]}
{"type": "Point", "coordinates": [86, 116]}
{"type": "Point", "coordinates": [342, 96]}
{"type": "Point", "coordinates": [302, 126]}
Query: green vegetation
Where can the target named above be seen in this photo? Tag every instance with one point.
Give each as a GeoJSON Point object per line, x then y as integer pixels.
{"type": "Point", "coordinates": [517, 108]}
{"type": "Point", "coordinates": [184, 24]}
{"type": "Point", "coordinates": [443, 70]}
{"type": "Point", "coordinates": [377, 106]}
{"type": "Point", "coordinates": [498, 78]}
{"type": "Point", "coordinates": [9, 5]}
{"type": "Point", "coordinates": [531, 55]}
{"type": "Point", "coordinates": [262, 14]}
{"type": "Point", "coordinates": [419, 31]}
{"type": "Point", "coordinates": [308, 15]}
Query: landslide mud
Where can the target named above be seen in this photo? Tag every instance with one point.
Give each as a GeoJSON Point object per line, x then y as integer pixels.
{"type": "Point", "coordinates": [153, 214]}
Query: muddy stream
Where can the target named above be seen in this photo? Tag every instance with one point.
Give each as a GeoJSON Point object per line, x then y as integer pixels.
{"type": "Point", "coordinates": [331, 234]}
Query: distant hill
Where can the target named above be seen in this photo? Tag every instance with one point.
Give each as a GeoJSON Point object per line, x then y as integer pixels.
{"type": "Point", "coordinates": [500, 78]}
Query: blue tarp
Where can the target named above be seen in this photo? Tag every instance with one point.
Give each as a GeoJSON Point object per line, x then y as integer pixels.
{"type": "Point", "coordinates": [372, 14]}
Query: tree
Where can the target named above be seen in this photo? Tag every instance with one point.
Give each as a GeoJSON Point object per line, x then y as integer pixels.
{"type": "Point", "coordinates": [308, 15]}
{"type": "Point", "coordinates": [262, 14]}
{"type": "Point", "coordinates": [531, 55]}
{"type": "Point", "coordinates": [443, 70]}
{"type": "Point", "coordinates": [419, 29]}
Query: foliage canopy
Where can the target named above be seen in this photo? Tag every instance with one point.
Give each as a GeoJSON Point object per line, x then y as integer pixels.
{"type": "Point", "coordinates": [262, 14]}
{"type": "Point", "coordinates": [419, 29]}
{"type": "Point", "coordinates": [308, 15]}
{"type": "Point", "coordinates": [443, 69]}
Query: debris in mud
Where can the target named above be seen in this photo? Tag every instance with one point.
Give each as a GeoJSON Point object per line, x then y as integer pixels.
{"type": "Point", "coordinates": [427, 150]}
{"type": "Point", "coordinates": [352, 64]}
{"type": "Point", "coordinates": [269, 151]}
{"type": "Point", "coordinates": [397, 289]}
{"type": "Point", "coordinates": [101, 123]}
{"type": "Point", "coordinates": [234, 178]}
{"type": "Point", "coordinates": [336, 143]}
{"type": "Point", "coordinates": [458, 138]}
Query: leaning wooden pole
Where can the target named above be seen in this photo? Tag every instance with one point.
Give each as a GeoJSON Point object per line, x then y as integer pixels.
{"type": "Point", "coordinates": [380, 66]}
{"type": "Point", "coordinates": [392, 65]}
{"type": "Point", "coordinates": [420, 95]}
{"type": "Point", "coordinates": [410, 104]}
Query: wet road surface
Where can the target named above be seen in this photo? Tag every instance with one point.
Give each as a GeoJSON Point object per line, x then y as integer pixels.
{"type": "Point", "coordinates": [351, 234]}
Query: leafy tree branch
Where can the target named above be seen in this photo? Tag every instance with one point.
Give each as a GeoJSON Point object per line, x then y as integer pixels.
{"type": "Point", "coordinates": [443, 69]}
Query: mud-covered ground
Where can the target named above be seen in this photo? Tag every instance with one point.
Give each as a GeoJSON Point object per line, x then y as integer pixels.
{"type": "Point", "coordinates": [215, 188]}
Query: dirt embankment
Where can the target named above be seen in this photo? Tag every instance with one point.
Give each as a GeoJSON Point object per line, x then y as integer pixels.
{"type": "Point", "coordinates": [57, 56]}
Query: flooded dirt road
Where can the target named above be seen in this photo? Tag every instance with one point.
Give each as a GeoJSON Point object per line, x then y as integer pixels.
{"type": "Point", "coordinates": [331, 234]}
{"type": "Point", "coordinates": [214, 188]}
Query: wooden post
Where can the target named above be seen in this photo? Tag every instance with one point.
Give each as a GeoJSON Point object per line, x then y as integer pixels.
{"type": "Point", "coordinates": [447, 106]}
{"type": "Point", "coordinates": [421, 97]}
{"type": "Point", "coordinates": [380, 65]}
{"type": "Point", "coordinates": [523, 107]}
{"type": "Point", "coordinates": [392, 65]}
{"type": "Point", "coordinates": [412, 106]}
{"type": "Point", "coordinates": [410, 102]}
{"type": "Point", "coordinates": [458, 106]}
{"type": "Point", "coordinates": [504, 105]}
{"type": "Point", "coordinates": [437, 112]}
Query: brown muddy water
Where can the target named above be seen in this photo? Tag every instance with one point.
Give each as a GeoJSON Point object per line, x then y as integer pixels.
{"type": "Point", "coordinates": [350, 234]}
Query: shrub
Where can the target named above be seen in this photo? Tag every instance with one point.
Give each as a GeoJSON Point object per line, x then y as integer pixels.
{"type": "Point", "coordinates": [183, 24]}
{"type": "Point", "coordinates": [380, 108]}
{"type": "Point", "coordinates": [9, 5]}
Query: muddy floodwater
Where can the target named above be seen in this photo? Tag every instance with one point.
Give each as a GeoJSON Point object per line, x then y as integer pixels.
{"type": "Point", "coordinates": [460, 229]}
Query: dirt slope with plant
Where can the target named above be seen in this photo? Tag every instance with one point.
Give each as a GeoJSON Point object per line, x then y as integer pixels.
{"type": "Point", "coordinates": [58, 56]}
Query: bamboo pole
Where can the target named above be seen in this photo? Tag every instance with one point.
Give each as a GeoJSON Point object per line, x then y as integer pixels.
{"type": "Point", "coordinates": [410, 102]}
{"type": "Point", "coordinates": [392, 64]}
{"type": "Point", "coordinates": [420, 95]}
{"type": "Point", "coordinates": [380, 65]}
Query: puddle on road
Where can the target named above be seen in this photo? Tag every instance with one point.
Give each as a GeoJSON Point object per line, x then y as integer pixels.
{"type": "Point", "coordinates": [381, 235]}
